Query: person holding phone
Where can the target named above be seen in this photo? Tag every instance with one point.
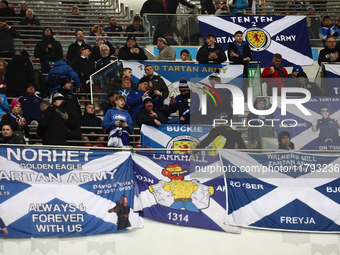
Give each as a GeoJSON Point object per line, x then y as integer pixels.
{"type": "Point", "coordinates": [211, 51]}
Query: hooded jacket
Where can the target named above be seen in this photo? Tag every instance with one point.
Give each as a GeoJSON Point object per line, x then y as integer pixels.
{"type": "Point", "coordinates": [91, 120]}
{"type": "Point", "coordinates": [204, 52]}
{"type": "Point", "coordinates": [48, 49]}
{"type": "Point", "coordinates": [19, 73]}
{"type": "Point", "coordinates": [125, 54]}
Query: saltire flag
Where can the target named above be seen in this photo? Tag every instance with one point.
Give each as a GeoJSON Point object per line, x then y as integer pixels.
{"type": "Point", "coordinates": [282, 191]}
{"type": "Point", "coordinates": [173, 136]}
{"type": "Point", "coordinates": [184, 190]}
{"type": "Point", "coordinates": [266, 35]}
{"type": "Point", "coordinates": [325, 115]}
{"type": "Point", "coordinates": [333, 78]}
{"type": "Point", "coordinates": [59, 192]}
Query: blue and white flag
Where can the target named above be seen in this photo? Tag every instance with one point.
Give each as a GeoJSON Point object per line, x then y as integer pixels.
{"type": "Point", "coordinates": [184, 190]}
{"type": "Point", "coordinates": [266, 35]}
{"type": "Point", "coordinates": [57, 192]}
{"type": "Point", "coordinates": [318, 131]}
{"type": "Point", "coordinates": [173, 136]}
{"type": "Point", "coordinates": [333, 79]}
{"type": "Point", "coordinates": [282, 191]}
{"type": "Point", "coordinates": [196, 74]}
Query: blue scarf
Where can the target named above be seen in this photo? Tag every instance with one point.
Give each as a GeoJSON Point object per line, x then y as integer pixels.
{"type": "Point", "coordinates": [239, 48]}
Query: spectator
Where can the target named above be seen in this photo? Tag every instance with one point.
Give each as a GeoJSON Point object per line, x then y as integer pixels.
{"type": "Point", "coordinates": [274, 75]}
{"type": "Point", "coordinates": [3, 81]}
{"type": "Point", "coordinates": [106, 58]}
{"type": "Point", "coordinates": [65, 71]}
{"type": "Point", "coordinates": [32, 23]}
{"type": "Point", "coordinates": [90, 120]}
{"type": "Point", "coordinates": [30, 19]}
{"type": "Point", "coordinates": [69, 97]}
{"type": "Point", "coordinates": [237, 7]}
{"type": "Point", "coordinates": [24, 8]}
{"type": "Point", "coordinates": [9, 137]}
{"type": "Point", "coordinates": [74, 48]}
{"type": "Point", "coordinates": [75, 19]}
{"type": "Point", "coordinates": [338, 22]}
{"type": "Point", "coordinates": [328, 29]}
{"type": "Point", "coordinates": [239, 52]}
{"type": "Point", "coordinates": [15, 119]}
{"type": "Point", "coordinates": [97, 31]}
{"type": "Point", "coordinates": [223, 11]}
{"type": "Point", "coordinates": [190, 33]}
{"type": "Point", "coordinates": [131, 50]}
{"type": "Point", "coordinates": [135, 98]}
{"type": "Point", "coordinates": [52, 125]}
{"type": "Point", "coordinates": [19, 74]}
{"type": "Point", "coordinates": [116, 53]}
{"type": "Point", "coordinates": [84, 67]}
{"type": "Point", "coordinates": [211, 52]}
{"type": "Point", "coordinates": [136, 29]}
{"type": "Point", "coordinates": [152, 7]}
{"type": "Point", "coordinates": [313, 23]}
{"type": "Point", "coordinates": [116, 83]}
{"type": "Point", "coordinates": [4, 107]}
{"type": "Point", "coordinates": [173, 4]}
{"type": "Point", "coordinates": [74, 114]}
{"type": "Point", "coordinates": [284, 141]}
{"type": "Point", "coordinates": [148, 115]}
{"type": "Point", "coordinates": [7, 33]}
{"type": "Point", "coordinates": [111, 103]}
{"type": "Point", "coordinates": [31, 104]}
{"type": "Point", "coordinates": [331, 51]}
{"type": "Point", "coordinates": [306, 84]}
{"type": "Point", "coordinates": [113, 29]}
{"type": "Point", "coordinates": [159, 86]}
{"type": "Point", "coordinates": [218, 5]}
{"type": "Point", "coordinates": [96, 48]}
{"type": "Point", "coordinates": [296, 69]}
{"type": "Point", "coordinates": [185, 55]}
{"type": "Point", "coordinates": [166, 52]}
{"type": "Point", "coordinates": [186, 103]}
{"type": "Point", "coordinates": [168, 29]}
{"type": "Point", "coordinates": [207, 6]}
{"type": "Point", "coordinates": [5, 11]}
{"type": "Point", "coordinates": [263, 8]}
{"type": "Point", "coordinates": [126, 87]}
{"type": "Point", "coordinates": [48, 50]}
{"type": "Point", "coordinates": [118, 121]}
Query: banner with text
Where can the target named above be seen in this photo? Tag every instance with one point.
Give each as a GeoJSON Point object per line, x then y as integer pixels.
{"type": "Point", "coordinates": [318, 131]}
{"type": "Point", "coordinates": [265, 35]}
{"type": "Point", "coordinates": [177, 189]}
{"type": "Point", "coordinates": [282, 191]}
{"type": "Point", "coordinates": [58, 192]}
{"type": "Point", "coordinates": [333, 78]}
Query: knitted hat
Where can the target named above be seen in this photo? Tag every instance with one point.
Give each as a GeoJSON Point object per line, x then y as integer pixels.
{"type": "Point", "coordinates": [143, 79]}
{"type": "Point", "coordinates": [14, 103]}
{"type": "Point", "coordinates": [126, 78]}
{"type": "Point", "coordinates": [25, 53]}
{"type": "Point", "coordinates": [311, 7]}
{"type": "Point", "coordinates": [5, 2]}
{"type": "Point", "coordinates": [146, 99]}
{"type": "Point", "coordinates": [301, 74]}
{"type": "Point", "coordinates": [297, 68]}
{"type": "Point", "coordinates": [63, 81]}
{"type": "Point", "coordinates": [57, 96]}
{"type": "Point", "coordinates": [84, 48]}
{"type": "Point", "coordinates": [282, 134]}
{"type": "Point", "coordinates": [183, 85]}
{"type": "Point", "coordinates": [215, 77]}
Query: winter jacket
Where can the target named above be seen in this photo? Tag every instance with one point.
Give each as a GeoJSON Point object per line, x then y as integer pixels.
{"type": "Point", "coordinates": [6, 42]}
{"type": "Point", "coordinates": [204, 52]}
{"type": "Point", "coordinates": [73, 50]}
{"type": "Point", "coordinates": [48, 49]}
{"type": "Point", "coordinates": [31, 107]}
{"type": "Point", "coordinates": [125, 54]}
{"type": "Point", "coordinates": [143, 117]}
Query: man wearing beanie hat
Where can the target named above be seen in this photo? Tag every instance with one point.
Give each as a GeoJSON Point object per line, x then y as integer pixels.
{"type": "Point", "coordinates": [187, 102]}
{"type": "Point", "coordinates": [166, 52]}
{"type": "Point", "coordinates": [284, 141]}
{"type": "Point", "coordinates": [52, 125]}
{"type": "Point", "coordinates": [131, 50]}
{"type": "Point", "coordinates": [136, 29]}
{"type": "Point", "coordinates": [306, 84]}
{"type": "Point", "coordinates": [148, 115]}
{"type": "Point", "coordinates": [5, 11]}
{"type": "Point", "coordinates": [135, 98]}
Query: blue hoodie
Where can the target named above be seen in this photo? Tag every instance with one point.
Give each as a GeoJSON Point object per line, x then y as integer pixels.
{"type": "Point", "coordinates": [114, 115]}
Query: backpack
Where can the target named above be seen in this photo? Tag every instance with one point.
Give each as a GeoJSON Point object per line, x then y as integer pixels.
{"type": "Point", "coordinates": [54, 79]}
